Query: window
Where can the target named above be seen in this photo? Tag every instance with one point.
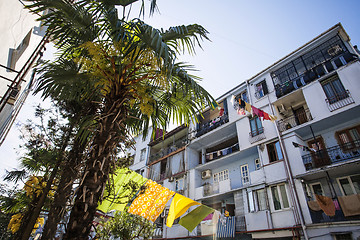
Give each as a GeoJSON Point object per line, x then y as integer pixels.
{"type": "Point", "coordinates": [245, 174]}
{"type": "Point", "coordinates": [142, 154]}
{"type": "Point", "coordinates": [15, 54]}
{"type": "Point", "coordinates": [349, 185]}
{"type": "Point", "coordinates": [256, 126]}
{"type": "Point", "coordinates": [257, 200]}
{"type": "Point", "coordinates": [315, 188]}
{"type": "Point", "coordinates": [349, 138]}
{"type": "Point", "coordinates": [334, 90]}
{"type": "Point", "coordinates": [179, 184]}
{"type": "Point", "coordinates": [261, 89]}
{"type": "Point", "coordinates": [274, 151]}
{"type": "Point", "coordinates": [279, 197]}
{"type": "Point", "coordinates": [221, 176]}
{"type": "Point", "coordinates": [343, 236]}
{"type": "Point", "coordinates": [257, 164]}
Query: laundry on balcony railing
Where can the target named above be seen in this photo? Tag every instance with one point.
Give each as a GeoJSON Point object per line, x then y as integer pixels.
{"type": "Point", "coordinates": [335, 154]}
{"type": "Point", "coordinates": [222, 152]}
{"type": "Point", "coordinates": [242, 106]}
{"type": "Point", "coordinates": [294, 120]}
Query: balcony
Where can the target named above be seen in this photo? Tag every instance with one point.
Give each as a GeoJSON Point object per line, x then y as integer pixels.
{"type": "Point", "coordinates": [212, 189]}
{"type": "Point", "coordinates": [211, 125]}
{"type": "Point", "coordinates": [163, 152]}
{"type": "Point", "coordinates": [284, 83]}
{"type": "Point", "coordinates": [339, 100]}
{"type": "Point", "coordinates": [344, 210]}
{"type": "Point", "coordinates": [328, 156]}
{"type": "Point", "coordinates": [256, 135]}
{"type": "Point", "coordinates": [222, 152]}
{"type": "Point", "coordinates": [294, 120]}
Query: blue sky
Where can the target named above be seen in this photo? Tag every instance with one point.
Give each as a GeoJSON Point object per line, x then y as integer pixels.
{"type": "Point", "coordinates": [246, 37]}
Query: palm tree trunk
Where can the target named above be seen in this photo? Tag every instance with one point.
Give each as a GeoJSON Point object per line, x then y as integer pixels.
{"type": "Point", "coordinates": [63, 192]}
{"type": "Point", "coordinates": [96, 174]}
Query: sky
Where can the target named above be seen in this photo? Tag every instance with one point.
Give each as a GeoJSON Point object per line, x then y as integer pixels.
{"type": "Point", "coordinates": [246, 37]}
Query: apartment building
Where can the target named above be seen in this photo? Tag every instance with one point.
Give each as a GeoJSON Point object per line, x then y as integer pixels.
{"type": "Point", "coordinates": [22, 43]}
{"type": "Point", "coordinates": [294, 178]}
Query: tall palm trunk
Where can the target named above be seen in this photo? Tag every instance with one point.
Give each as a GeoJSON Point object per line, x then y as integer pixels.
{"type": "Point", "coordinates": [63, 192]}
{"type": "Point", "coordinates": [96, 172]}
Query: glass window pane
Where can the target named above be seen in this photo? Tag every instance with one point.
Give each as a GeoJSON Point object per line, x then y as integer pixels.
{"type": "Point", "coordinates": [278, 151]}
{"type": "Point", "coordinates": [261, 197]}
{"type": "Point", "coordinates": [258, 123]}
{"type": "Point", "coordinates": [317, 189]}
{"type": "Point", "coordinates": [345, 185]}
{"type": "Point", "coordinates": [253, 125]}
{"type": "Point", "coordinates": [284, 196]}
{"type": "Point", "coordinates": [356, 183]}
{"type": "Point", "coordinates": [276, 198]}
{"type": "Point", "coordinates": [338, 87]}
{"type": "Point", "coordinates": [329, 92]}
{"type": "Point", "coordinates": [354, 134]}
{"type": "Point", "coordinates": [251, 201]}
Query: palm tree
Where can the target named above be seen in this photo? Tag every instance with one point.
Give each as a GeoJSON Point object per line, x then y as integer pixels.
{"type": "Point", "coordinates": [134, 70]}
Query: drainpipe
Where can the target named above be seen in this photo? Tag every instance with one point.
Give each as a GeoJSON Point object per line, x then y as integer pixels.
{"type": "Point", "coordinates": [294, 195]}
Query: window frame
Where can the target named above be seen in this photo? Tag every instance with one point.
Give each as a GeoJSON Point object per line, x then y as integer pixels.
{"type": "Point", "coordinates": [142, 155]}
{"type": "Point", "coordinates": [335, 95]}
{"type": "Point", "coordinates": [253, 197]}
{"type": "Point", "coordinates": [261, 89]}
{"type": "Point", "coordinates": [281, 200]}
{"type": "Point", "coordinates": [224, 175]}
{"type": "Point", "coordinates": [350, 182]}
{"type": "Point", "coordinates": [245, 174]}
{"type": "Point", "coordinates": [312, 192]}
{"type": "Point", "coordinates": [258, 130]}
{"type": "Point", "coordinates": [352, 143]}
{"type": "Point", "coordinates": [257, 164]}
{"type": "Point", "coordinates": [276, 152]}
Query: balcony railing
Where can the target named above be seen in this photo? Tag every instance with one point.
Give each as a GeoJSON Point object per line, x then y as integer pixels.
{"type": "Point", "coordinates": [294, 120]}
{"type": "Point", "coordinates": [256, 135]}
{"type": "Point", "coordinates": [166, 151]}
{"type": "Point", "coordinates": [339, 100]}
{"type": "Point", "coordinates": [211, 125]}
{"type": "Point", "coordinates": [328, 156]}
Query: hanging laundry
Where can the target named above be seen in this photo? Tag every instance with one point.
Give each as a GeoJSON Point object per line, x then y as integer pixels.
{"type": "Point", "coordinates": [211, 156]}
{"type": "Point", "coordinates": [152, 202]}
{"type": "Point", "coordinates": [266, 116]}
{"type": "Point", "coordinates": [272, 118]}
{"type": "Point", "coordinates": [241, 111]}
{"type": "Point", "coordinates": [350, 204]}
{"type": "Point", "coordinates": [192, 219]}
{"type": "Point", "coordinates": [261, 114]}
{"type": "Point", "coordinates": [304, 148]}
{"type": "Point", "coordinates": [241, 103]}
{"type": "Point", "coordinates": [178, 207]}
{"type": "Point", "coordinates": [221, 112]}
{"type": "Point", "coordinates": [116, 197]}
{"type": "Point", "coordinates": [219, 153]}
{"type": "Point", "coordinates": [226, 228]}
{"type": "Point", "coordinates": [248, 107]}
{"type": "Point", "coordinates": [255, 110]}
{"type": "Point", "coordinates": [326, 204]}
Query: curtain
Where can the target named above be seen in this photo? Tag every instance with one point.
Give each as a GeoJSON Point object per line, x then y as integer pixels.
{"type": "Point", "coordinates": [177, 163]}
{"type": "Point", "coordinates": [155, 171]}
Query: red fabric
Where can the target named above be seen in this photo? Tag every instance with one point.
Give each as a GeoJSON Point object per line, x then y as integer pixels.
{"type": "Point", "coordinates": [255, 110]}
{"type": "Point", "coordinates": [266, 116]}
{"type": "Point", "coordinates": [261, 113]}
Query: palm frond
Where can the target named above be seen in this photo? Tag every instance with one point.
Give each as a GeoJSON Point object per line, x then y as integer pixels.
{"type": "Point", "coordinates": [15, 175]}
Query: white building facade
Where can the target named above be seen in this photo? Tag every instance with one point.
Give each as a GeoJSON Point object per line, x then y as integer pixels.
{"type": "Point", "coordinates": [21, 45]}
{"type": "Point", "coordinates": [295, 178]}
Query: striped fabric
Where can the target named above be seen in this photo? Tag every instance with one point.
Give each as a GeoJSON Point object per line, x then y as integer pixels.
{"type": "Point", "coordinates": [226, 227]}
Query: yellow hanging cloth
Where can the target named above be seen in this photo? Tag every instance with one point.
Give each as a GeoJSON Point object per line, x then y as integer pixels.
{"type": "Point", "coordinates": [152, 202]}
{"type": "Point", "coordinates": [272, 118]}
{"type": "Point", "coordinates": [178, 207]}
{"type": "Point", "coordinates": [248, 107]}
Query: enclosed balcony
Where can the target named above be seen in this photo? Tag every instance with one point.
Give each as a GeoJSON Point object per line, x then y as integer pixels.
{"type": "Point", "coordinates": [339, 100]}
{"type": "Point", "coordinates": [320, 61]}
{"type": "Point", "coordinates": [332, 155]}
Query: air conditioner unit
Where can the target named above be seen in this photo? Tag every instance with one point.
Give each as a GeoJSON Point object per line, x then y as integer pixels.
{"type": "Point", "coordinates": [171, 179]}
{"type": "Point", "coordinates": [206, 174]}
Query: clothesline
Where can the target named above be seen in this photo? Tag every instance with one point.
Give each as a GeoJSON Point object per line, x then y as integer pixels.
{"type": "Point", "coordinates": [151, 202]}
{"type": "Point", "coordinates": [241, 106]}
{"type": "Point", "coordinates": [222, 149]}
